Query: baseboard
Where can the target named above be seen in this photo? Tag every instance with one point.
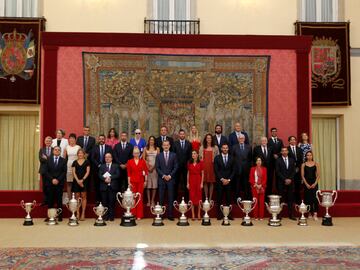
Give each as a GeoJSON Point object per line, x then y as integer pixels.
{"type": "Point", "coordinates": [350, 184]}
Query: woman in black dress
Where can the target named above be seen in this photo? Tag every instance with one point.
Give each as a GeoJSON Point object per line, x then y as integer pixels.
{"type": "Point", "coordinates": [81, 171]}
{"type": "Point", "coordinates": [310, 174]}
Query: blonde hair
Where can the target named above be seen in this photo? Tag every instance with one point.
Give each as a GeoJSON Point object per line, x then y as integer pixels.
{"type": "Point", "coordinates": [196, 136]}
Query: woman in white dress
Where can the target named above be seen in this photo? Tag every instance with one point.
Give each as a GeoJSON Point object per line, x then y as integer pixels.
{"type": "Point", "coordinates": [150, 153]}
{"type": "Point", "coordinates": [70, 153]}
{"type": "Point", "coordinates": [60, 141]}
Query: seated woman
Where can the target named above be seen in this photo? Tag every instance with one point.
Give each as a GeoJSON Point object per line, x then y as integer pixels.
{"type": "Point", "coordinates": [258, 178]}
{"type": "Point", "coordinates": [137, 179]}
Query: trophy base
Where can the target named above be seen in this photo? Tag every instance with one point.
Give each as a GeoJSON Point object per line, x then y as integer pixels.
{"type": "Point", "coordinates": [28, 222]}
{"type": "Point", "coordinates": [51, 223]}
{"type": "Point", "coordinates": [73, 222]}
{"type": "Point", "coordinates": [99, 223]}
{"type": "Point", "coordinates": [158, 223]}
{"type": "Point", "coordinates": [225, 223]}
{"type": "Point", "coordinates": [128, 221]}
{"type": "Point", "coordinates": [181, 223]}
{"type": "Point", "coordinates": [247, 223]}
{"type": "Point", "coordinates": [206, 222]}
{"type": "Point", "coordinates": [274, 223]}
{"type": "Point", "coordinates": [327, 221]}
{"type": "Point", "coordinates": [302, 222]}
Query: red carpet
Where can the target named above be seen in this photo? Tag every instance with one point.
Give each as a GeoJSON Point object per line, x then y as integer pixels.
{"type": "Point", "coordinates": [347, 205]}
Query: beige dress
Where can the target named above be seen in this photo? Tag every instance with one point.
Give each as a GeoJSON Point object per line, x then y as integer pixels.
{"type": "Point", "coordinates": [150, 162]}
{"type": "Point", "coordinates": [71, 152]}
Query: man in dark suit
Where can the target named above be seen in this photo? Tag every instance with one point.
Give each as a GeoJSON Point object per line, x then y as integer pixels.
{"type": "Point", "coordinates": [233, 137]}
{"type": "Point", "coordinates": [86, 141]}
{"type": "Point", "coordinates": [264, 151]}
{"type": "Point", "coordinates": [109, 174]}
{"type": "Point", "coordinates": [55, 173]}
{"type": "Point", "coordinates": [44, 154]}
{"type": "Point", "coordinates": [166, 166]}
{"type": "Point", "coordinates": [275, 144]}
{"type": "Point", "coordinates": [164, 137]}
{"type": "Point", "coordinates": [182, 149]}
{"type": "Point", "coordinates": [296, 154]}
{"type": "Point", "coordinates": [98, 158]}
{"type": "Point", "coordinates": [123, 152]}
{"type": "Point", "coordinates": [285, 173]}
{"type": "Point", "coordinates": [219, 139]}
{"type": "Point", "coordinates": [242, 154]}
{"type": "Point", "coordinates": [224, 168]}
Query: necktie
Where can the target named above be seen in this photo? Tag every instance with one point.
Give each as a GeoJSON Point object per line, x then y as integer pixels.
{"type": "Point", "coordinates": [264, 151]}
{"type": "Point", "coordinates": [182, 145]}
{"type": "Point", "coordinates": [123, 146]}
{"type": "Point", "coordinates": [166, 158]}
{"type": "Point", "coordinates": [101, 153]}
{"type": "Point", "coordinates": [163, 138]}
{"type": "Point", "coordinates": [48, 151]}
{"type": "Point", "coordinates": [294, 152]}
{"type": "Point", "coordinates": [56, 161]}
{"type": "Point", "coordinates": [85, 142]}
{"type": "Point", "coordinates": [241, 146]}
{"type": "Point", "coordinates": [107, 167]}
{"type": "Point", "coordinates": [225, 160]}
{"type": "Point", "coordinates": [275, 140]}
{"type": "Point", "coordinates": [287, 163]}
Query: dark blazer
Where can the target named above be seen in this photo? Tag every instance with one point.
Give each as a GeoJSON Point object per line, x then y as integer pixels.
{"type": "Point", "coordinates": [123, 156]}
{"type": "Point", "coordinates": [115, 175]}
{"type": "Point", "coordinates": [223, 140]}
{"type": "Point", "coordinates": [222, 171]}
{"type": "Point", "coordinates": [158, 143]}
{"type": "Point", "coordinates": [171, 167]}
{"type": "Point", "coordinates": [257, 152]}
{"type": "Point", "coordinates": [276, 147]}
{"type": "Point", "coordinates": [233, 139]}
{"type": "Point", "coordinates": [95, 155]}
{"type": "Point", "coordinates": [182, 155]}
{"type": "Point", "coordinates": [90, 145]}
{"type": "Point", "coordinates": [42, 160]}
{"type": "Point", "coordinates": [55, 172]}
{"type": "Point", "coordinates": [282, 173]}
{"type": "Point", "coordinates": [299, 156]}
{"type": "Point", "coordinates": [243, 158]}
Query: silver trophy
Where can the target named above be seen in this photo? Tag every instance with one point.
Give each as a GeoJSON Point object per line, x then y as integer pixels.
{"type": "Point", "coordinates": [128, 201]}
{"type": "Point", "coordinates": [274, 207]}
{"type": "Point", "coordinates": [73, 205]}
{"type": "Point", "coordinates": [28, 207]}
{"type": "Point", "coordinates": [226, 211]}
{"type": "Point", "coordinates": [302, 209]}
{"type": "Point", "coordinates": [158, 210]}
{"type": "Point", "coordinates": [52, 215]}
{"type": "Point", "coordinates": [206, 206]}
{"type": "Point", "coordinates": [183, 208]}
{"type": "Point", "coordinates": [326, 201]}
{"type": "Point", "coordinates": [247, 207]}
{"type": "Point", "coordinates": [100, 211]}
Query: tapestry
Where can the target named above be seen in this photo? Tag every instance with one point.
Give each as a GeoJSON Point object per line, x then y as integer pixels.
{"type": "Point", "coordinates": [129, 91]}
{"type": "Point", "coordinates": [20, 59]}
{"type": "Point", "coordinates": [330, 62]}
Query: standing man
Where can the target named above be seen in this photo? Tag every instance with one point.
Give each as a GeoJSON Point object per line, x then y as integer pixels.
{"type": "Point", "coordinates": [275, 144]}
{"type": "Point", "coordinates": [44, 154]}
{"type": "Point", "coordinates": [166, 166]}
{"type": "Point", "coordinates": [164, 137]}
{"type": "Point", "coordinates": [285, 172]}
{"type": "Point", "coordinates": [109, 174]}
{"type": "Point", "coordinates": [98, 158]}
{"type": "Point", "coordinates": [224, 167]}
{"type": "Point", "coordinates": [55, 173]}
{"type": "Point", "coordinates": [122, 154]}
{"type": "Point", "coordinates": [242, 154]}
{"type": "Point", "coordinates": [86, 141]}
{"type": "Point", "coordinates": [296, 154]}
{"type": "Point", "coordinates": [264, 151]}
{"type": "Point", "coordinates": [233, 137]}
{"type": "Point", "coordinates": [182, 149]}
{"type": "Point", "coordinates": [218, 137]}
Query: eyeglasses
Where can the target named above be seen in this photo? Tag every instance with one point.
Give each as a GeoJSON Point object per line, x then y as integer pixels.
{"type": "Point", "coordinates": [137, 133]}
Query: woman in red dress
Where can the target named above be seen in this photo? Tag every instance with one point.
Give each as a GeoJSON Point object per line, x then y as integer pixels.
{"type": "Point", "coordinates": [258, 177]}
{"type": "Point", "coordinates": [194, 139]}
{"type": "Point", "coordinates": [137, 178]}
{"type": "Point", "coordinates": [195, 181]}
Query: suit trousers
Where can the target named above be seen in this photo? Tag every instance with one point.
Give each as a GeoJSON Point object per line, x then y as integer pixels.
{"type": "Point", "coordinates": [243, 186]}
{"type": "Point", "coordinates": [108, 199]}
{"type": "Point", "coordinates": [123, 180]}
{"type": "Point", "coordinates": [138, 210]}
{"type": "Point", "coordinates": [169, 185]}
{"type": "Point", "coordinates": [297, 187]}
{"type": "Point", "coordinates": [287, 192]}
{"type": "Point", "coordinates": [180, 182]}
{"type": "Point", "coordinates": [220, 191]}
{"type": "Point", "coordinates": [54, 194]}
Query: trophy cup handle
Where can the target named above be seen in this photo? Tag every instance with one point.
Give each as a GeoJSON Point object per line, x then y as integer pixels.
{"type": "Point", "coordinates": [201, 204]}
{"type": "Point", "coordinates": [22, 204]}
{"type": "Point", "coordinates": [176, 205]}
{"type": "Point", "coordinates": [230, 208]}
{"type": "Point", "coordinates": [190, 205]}
{"type": "Point", "coordinates": [164, 209]}
{"type": "Point", "coordinates": [138, 196]}
{"type": "Point", "coordinates": [308, 208]}
{"type": "Point", "coordinates": [336, 194]}
{"type": "Point", "coordinates": [118, 196]}
{"type": "Point", "coordinates": [33, 205]}
{"type": "Point", "coordinates": [282, 205]}
{"type": "Point", "coordinates": [267, 206]}
{"type": "Point", "coordinates": [105, 210]}
{"type": "Point", "coordinates": [221, 208]}
{"type": "Point", "coordinates": [318, 192]}
{"type": "Point", "coordinates": [211, 204]}
{"type": "Point", "coordinates": [254, 203]}
{"type": "Point", "coordinates": [94, 209]}
{"type": "Point", "coordinates": [296, 207]}
{"type": "Point", "coordinates": [58, 211]}
{"type": "Point", "coordinates": [238, 201]}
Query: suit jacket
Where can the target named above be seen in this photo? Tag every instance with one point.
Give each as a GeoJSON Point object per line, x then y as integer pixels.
{"type": "Point", "coordinates": [182, 155]}
{"type": "Point", "coordinates": [169, 169]}
{"type": "Point", "coordinates": [224, 171]}
{"type": "Point", "coordinates": [95, 155]}
{"type": "Point", "coordinates": [276, 147]}
{"type": "Point", "coordinates": [223, 140]}
{"type": "Point", "coordinates": [42, 160]}
{"type": "Point", "coordinates": [282, 173]}
{"type": "Point", "coordinates": [115, 175]}
{"type": "Point", "coordinates": [243, 158]}
{"type": "Point", "coordinates": [123, 156]}
{"type": "Point", "coordinates": [233, 139]}
{"type": "Point", "coordinates": [55, 172]}
{"type": "Point", "coordinates": [158, 143]}
{"type": "Point", "coordinates": [90, 144]}
{"type": "Point", "coordinates": [263, 178]}
{"type": "Point", "coordinates": [64, 142]}
{"type": "Point", "coordinates": [299, 156]}
{"type": "Point", "coordinates": [258, 152]}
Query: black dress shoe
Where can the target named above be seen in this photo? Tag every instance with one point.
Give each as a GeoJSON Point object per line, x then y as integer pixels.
{"type": "Point", "coordinates": [292, 218]}
{"type": "Point", "coordinates": [171, 218]}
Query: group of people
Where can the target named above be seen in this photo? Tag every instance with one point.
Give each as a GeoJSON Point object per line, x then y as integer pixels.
{"type": "Point", "coordinates": [192, 167]}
